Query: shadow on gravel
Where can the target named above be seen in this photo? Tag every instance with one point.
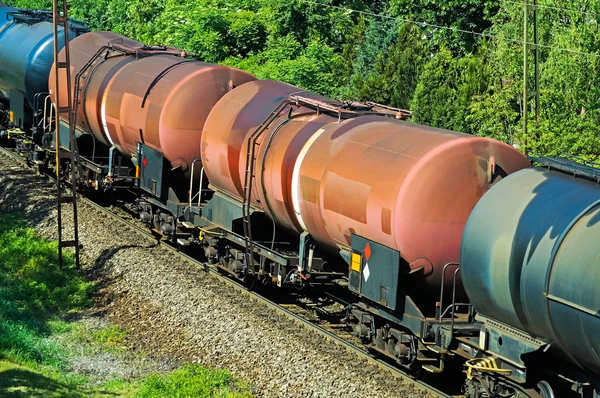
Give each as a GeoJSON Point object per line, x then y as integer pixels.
{"type": "Point", "coordinates": [21, 191]}
{"type": "Point", "coordinates": [107, 254]}
{"type": "Point", "coordinates": [98, 274]}
{"type": "Point", "coordinates": [20, 382]}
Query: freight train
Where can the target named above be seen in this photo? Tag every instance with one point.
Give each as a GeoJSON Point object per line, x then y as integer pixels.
{"type": "Point", "coordinates": [452, 246]}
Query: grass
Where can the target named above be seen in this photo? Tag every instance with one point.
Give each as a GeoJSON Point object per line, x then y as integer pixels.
{"type": "Point", "coordinates": [33, 292]}
{"type": "Point", "coordinates": [23, 381]}
{"type": "Point", "coordinates": [192, 381]}
{"type": "Point", "coordinates": [35, 296]}
{"type": "Point", "coordinates": [108, 339]}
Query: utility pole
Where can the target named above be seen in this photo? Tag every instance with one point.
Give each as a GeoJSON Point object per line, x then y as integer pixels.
{"type": "Point", "coordinates": [536, 59]}
{"type": "Point", "coordinates": [525, 73]}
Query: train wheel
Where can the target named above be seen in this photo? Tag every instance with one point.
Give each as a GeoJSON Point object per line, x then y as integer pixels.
{"type": "Point", "coordinates": [545, 389]}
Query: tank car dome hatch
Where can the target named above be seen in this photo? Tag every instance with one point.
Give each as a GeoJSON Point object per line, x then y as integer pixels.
{"type": "Point", "coordinates": [149, 95]}
{"type": "Point", "coordinates": [27, 50]}
{"type": "Point", "coordinates": [406, 186]}
{"type": "Point", "coordinates": [530, 259]}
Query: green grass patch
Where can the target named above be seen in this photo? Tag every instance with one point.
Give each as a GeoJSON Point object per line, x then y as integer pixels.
{"type": "Point", "coordinates": [21, 381]}
{"type": "Point", "coordinates": [89, 338]}
{"type": "Point", "coordinates": [33, 292]}
{"type": "Point", "coordinates": [192, 381]}
{"type": "Point", "coordinates": [111, 337]}
{"type": "Point", "coordinates": [36, 343]}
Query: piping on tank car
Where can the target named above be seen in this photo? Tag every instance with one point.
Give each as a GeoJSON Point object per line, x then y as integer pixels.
{"type": "Point", "coordinates": [406, 186]}
{"type": "Point", "coordinates": [161, 100]}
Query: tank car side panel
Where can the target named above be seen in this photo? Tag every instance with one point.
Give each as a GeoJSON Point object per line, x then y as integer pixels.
{"type": "Point", "coordinates": [95, 80]}
{"type": "Point", "coordinates": [276, 159]}
{"type": "Point", "coordinates": [159, 100]}
{"type": "Point", "coordinates": [523, 245]}
{"type": "Point", "coordinates": [574, 291]}
{"type": "Point", "coordinates": [231, 121]}
{"type": "Point", "coordinates": [405, 186]}
{"type": "Point", "coordinates": [26, 52]}
{"type": "Point", "coordinates": [5, 26]}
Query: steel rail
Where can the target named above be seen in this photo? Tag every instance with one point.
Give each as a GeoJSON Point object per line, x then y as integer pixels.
{"type": "Point", "coordinates": [360, 352]}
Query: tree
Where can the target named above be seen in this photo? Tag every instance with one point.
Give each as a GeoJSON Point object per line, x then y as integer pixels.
{"type": "Point", "coordinates": [396, 71]}
{"type": "Point", "coordinates": [446, 89]}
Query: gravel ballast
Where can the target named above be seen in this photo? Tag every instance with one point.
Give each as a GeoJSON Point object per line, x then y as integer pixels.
{"type": "Point", "coordinates": [176, 310]}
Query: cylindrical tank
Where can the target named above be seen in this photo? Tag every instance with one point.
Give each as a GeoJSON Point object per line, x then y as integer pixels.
{"type": "Point", "coordinates": [160, 100]}
{"type": "Point", "coordinates": [225, 144]}
{"type": "Point", "coordinates": [94, 80]}
{"type": "Point", "coordinates": [403, 185]}
{"type": "Point", "coordinates": [530, 258]}
{"type": "Point", "coordinates": [27, 52]}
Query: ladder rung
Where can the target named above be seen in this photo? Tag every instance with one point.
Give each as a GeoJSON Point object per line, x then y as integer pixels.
{"type": "Point", "coordinates": [65, 155]}
{"type": "Point", "coordinates": [61, 65]}
{"type": "Point", "coordinates": [67, 199]}
{"type": "Point", "coordinates": [68, 243]}
{"type": "Point", "coordinates": [64, 109]}
{"type": "Point", "coordinates": [60, 19]}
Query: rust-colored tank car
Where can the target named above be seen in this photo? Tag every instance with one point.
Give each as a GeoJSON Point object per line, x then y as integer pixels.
{"type": "Point", "coordinates": [225, 143]}
{"type": "Point", "coordinates": [403, 185]}
{"type": "Point", "coordinates": [162, 100]}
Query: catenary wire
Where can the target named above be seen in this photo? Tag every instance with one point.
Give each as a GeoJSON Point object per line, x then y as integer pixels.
{"type": "Point", "coordinates": [552, 7]}
{"type": "Point", "coordinates": [470, 32]}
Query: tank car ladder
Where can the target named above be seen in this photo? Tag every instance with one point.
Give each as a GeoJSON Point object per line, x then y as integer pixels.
{"type": "Point", "coordinates": [302, 98]}
{"type": "Point", "coordinates": [60, 18]}
{"type": "Point", "coordinates": [253, 145]}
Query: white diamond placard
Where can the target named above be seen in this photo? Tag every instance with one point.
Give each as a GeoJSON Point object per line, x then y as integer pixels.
{"type": "Point", "coordinates": [366, 272]}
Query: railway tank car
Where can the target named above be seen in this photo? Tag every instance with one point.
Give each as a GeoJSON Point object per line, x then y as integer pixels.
{"type": "Point", "coordinates": [145, 103]}
{"type": "Point", "coordinates": [279, 185]}
{"type": "Point", "coordinates": [404, 186]}
{"type": "Point", "coordinates": [531, 267]}
{"type": "Point", "coordinates": [389, 197]}
{"type": "Point", "coordinates": [26, 56]}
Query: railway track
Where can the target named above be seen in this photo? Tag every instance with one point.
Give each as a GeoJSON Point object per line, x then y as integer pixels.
{"type": "Point", "coordinates": [296, 313]}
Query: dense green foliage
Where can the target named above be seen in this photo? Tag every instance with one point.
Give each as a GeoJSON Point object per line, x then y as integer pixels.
{"type": "Point", "coordinates": [456, 64]}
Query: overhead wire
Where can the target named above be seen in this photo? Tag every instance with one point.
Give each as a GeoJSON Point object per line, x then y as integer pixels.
{"type": "Point", "coordinates": [423, 24]}
{"type": "Point", "coordinates": [552, 7]}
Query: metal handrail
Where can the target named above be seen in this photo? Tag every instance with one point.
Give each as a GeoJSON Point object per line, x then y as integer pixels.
{"type": "Point", "coordinates": [453, 301]}
{"type": "Point", "coordinates": [192, 182]}
{"type": "Point", "coordinates": [442, 288]}
{"type": "Point", "coordinates": [46, 101]}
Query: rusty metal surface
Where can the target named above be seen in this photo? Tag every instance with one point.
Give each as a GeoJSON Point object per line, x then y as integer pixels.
{"type": "Point", "coordinates": [530, 259]}
{"type": "Point", "coordinates": [160, 100]}
{"type": "Point", "coordinates": [406, 186]}
{"type": "Point", "coordinates": [231, 121]}
{"type": "Point", "coordinates": [94, 82]}
{"type": "Point", "coordinates": [276, 160]}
